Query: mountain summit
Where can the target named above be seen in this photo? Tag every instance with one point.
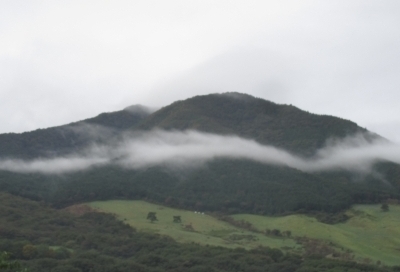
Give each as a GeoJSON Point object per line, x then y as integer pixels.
{"type": "Point", "coordinates": [283, 126]}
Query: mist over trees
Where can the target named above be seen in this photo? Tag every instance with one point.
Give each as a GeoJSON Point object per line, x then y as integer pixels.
{"type": "Point", "coordinates": [230, 184]}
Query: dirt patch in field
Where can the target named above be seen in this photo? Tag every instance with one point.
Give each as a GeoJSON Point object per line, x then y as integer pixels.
{"type": "Point", "coordinates": [80, 209]}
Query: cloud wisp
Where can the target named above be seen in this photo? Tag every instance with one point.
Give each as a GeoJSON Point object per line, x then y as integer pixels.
{"type": "Point", "coordinates": [51, 166]}
{"type": "Point", "coordinates": [192, 148]}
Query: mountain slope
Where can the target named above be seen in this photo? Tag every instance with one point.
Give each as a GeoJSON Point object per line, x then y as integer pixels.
{"type": "Point", "coordinates": [56, 141]}
{"type": "Point", "coordinates": [228, 185]}
{"type": "Point", "coordinates": [282, 126]}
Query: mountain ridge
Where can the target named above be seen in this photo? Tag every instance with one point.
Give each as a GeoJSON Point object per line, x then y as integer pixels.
{"type": "Point", "coordinates": [283, 126]}
{"type": "Point", "coordinates": [222, 184]}
{"type": "Point", "coordinates": [63, 139]}
{"type": "Point", "coordinates": [280, 125]}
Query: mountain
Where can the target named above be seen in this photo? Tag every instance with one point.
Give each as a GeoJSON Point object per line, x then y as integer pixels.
{"type": "Point", "coordinates": [68, 138]}
{"type": "Point", "coordinates": [283, 126]}
{"type": "Point", "coordinates": [221, 185]}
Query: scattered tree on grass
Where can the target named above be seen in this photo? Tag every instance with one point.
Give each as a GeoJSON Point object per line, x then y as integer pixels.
{"type": "Point", "coordinates": [189, 227]}
{"type": "Point", "coordinates": [276, 232]}
{"type": "Point", "coordinates": [287, 233]}
{"type": "Point", "coordinates": [385, 207]}
{"type": "Point", "coordinates": [152, 217]}
{"type": "Point", "coordinates": [177, 219]}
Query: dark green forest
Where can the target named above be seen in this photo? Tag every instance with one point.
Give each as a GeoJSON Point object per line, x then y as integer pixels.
{"type": "Point", "coordinates": [229, 186]}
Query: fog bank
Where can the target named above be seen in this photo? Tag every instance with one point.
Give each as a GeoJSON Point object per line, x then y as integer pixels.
{"type": "Point", "coordinates": [191, 148]}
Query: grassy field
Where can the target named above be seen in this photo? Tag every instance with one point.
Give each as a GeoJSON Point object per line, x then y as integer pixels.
{"type": "Point", "coordinates": [207, 229]}
{"type": "Point", "coordinates": [370, 233]}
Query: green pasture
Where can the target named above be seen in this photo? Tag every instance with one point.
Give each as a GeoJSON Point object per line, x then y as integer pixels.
{"type": "Point", "coordinates": [369, 233]}
{"type": "Point", "coordinates": [207, 229]}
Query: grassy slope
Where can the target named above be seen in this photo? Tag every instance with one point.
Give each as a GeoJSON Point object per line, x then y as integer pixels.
{"type": "Point", "coordinates": [370, 233]}
{"type": "Point", "coordinates": [208, 230]}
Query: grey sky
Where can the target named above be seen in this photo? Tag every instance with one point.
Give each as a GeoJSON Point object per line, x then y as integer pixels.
{"type": "Point", "coordinates": [62, 61]}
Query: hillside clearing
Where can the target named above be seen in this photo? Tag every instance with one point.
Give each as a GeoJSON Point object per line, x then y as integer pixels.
{"type": "Point", "coordinates": [369, 234]}
{"type": "Point", "coordinates": [207, 230]}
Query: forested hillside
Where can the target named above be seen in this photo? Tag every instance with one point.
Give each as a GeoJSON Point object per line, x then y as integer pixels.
{"type": "Point", "coordinates": [227, 185]}
{"type": "Point", "coordinates": [70, 138]}
{"type": "Point", "coordinates": [283, 126]}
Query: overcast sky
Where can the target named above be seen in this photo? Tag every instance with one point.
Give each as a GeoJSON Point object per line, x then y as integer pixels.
{"type": "Point", "coordinates": [63, 61]}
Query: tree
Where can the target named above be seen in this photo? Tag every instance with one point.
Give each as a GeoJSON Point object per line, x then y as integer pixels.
{"type": "Point", "coordinates": [287, 233]}
{"type": "Point", "coordinates": [385, 207]}
{"type": "Point", "coordinates": [177, 219]}
{"type": "Point", "coordinates": [189, 227]}
{"type": "Point", "coordinates": [29, 251]}
{"type": "Point", "coordinates": [152, 217]}
{"type": "Point", "coordinates": [276, 232]}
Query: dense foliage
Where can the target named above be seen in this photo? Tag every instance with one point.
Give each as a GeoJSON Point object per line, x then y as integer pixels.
{"type": "Point", "coordinates": [43, 239]}
{"type": "Point", "coordinates": [229, 186]}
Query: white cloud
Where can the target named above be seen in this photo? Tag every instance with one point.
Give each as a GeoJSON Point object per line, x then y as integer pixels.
{"type": "Point", "coordinates": [186, 149]}
{"type": "Point", "coordinates": [52, 166]}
